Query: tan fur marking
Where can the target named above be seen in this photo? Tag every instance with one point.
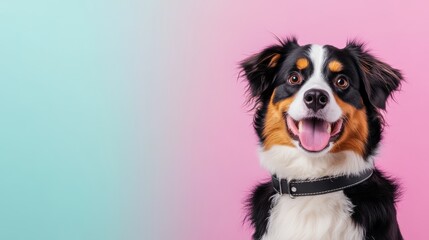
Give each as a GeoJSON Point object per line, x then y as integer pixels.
{"type": "Point", "coordinates": [275, 131]}
{"type": "Point", "coordinates": [355, 131]}
{"type": "Point", "coordinates": [302, 63]}
{"type": "Point", "coordinates": [335, 66]}
{"type": "Point", "coordinates": [274, 60]}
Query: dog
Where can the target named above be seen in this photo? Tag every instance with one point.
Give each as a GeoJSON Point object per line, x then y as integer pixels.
{"type": "Point", "coordinates": [318, 116]}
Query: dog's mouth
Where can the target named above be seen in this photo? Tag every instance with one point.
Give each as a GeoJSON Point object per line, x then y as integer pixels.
{"type": "Point", "coordinates": [314, 134]}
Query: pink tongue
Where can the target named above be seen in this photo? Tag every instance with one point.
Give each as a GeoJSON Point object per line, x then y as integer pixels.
{"type": "Point", "coordinates": [314, 136]}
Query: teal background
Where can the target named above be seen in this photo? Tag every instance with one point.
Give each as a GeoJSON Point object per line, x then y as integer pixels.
{"type": "Point", "coordinates": [74, 152]}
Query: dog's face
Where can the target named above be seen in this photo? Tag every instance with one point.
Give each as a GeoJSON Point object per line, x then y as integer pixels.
{"type": "Point", "coordinates": [319, 99]}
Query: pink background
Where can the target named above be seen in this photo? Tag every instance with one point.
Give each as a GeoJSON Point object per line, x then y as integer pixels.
{"type": "Point", "coordinates": [218, 149]}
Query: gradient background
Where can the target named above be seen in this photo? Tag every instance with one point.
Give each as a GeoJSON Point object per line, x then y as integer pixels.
{"type": "Point", "coordinates": [123, 119]}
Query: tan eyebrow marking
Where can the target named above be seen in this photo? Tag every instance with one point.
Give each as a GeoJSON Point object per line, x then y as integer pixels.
{"type": "Point", "coordinates": [335, 66]}
{"type": "Point", "coordinates": [274, 60]}
{"type": "Point", "coordinates": [302, 63]}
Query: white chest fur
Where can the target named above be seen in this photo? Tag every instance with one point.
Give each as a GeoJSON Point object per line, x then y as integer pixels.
{"type": "Point", "coordinates": [322, 217]}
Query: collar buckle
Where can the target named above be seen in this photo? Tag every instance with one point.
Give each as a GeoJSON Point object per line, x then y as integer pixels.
{"type": "Point", "coordinates": [290, 189]}
{"type": "Point", "coordinates": [280, 190]}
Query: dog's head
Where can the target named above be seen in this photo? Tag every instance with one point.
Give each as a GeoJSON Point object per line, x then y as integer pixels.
{"type": "Point", "coordinates": [319, 99]}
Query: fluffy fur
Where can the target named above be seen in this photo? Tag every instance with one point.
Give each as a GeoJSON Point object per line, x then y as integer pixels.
{"type": "Point", "coordinates": [355, 86]}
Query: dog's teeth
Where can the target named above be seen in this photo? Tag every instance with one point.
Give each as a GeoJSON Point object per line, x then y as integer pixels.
{"type": "Point", "coordinates": [329, 128]}
{"type": "Point", "coordinates": [300, 126]}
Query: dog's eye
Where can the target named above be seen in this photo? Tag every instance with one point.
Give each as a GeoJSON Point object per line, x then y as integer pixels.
{"type": "Point", "coordinates": [294, 78]}
{"type": "Point", "coordinates": [341, 83]}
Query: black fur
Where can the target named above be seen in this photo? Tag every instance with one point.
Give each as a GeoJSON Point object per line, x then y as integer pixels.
{"type": "Point", "coordinates": [261, 78]}
{"type": "Point", "coordinates": [375, 130]}
{"type": "Point", "coordinates": [258, 207]}
{"type": "Point", "coordinates": [374, 210]}
{"type": "Point", "coordinates": [379, 79]}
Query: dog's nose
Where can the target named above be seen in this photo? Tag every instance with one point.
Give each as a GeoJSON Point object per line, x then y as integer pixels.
{"type": "Point", "coordinates": [316, 99]}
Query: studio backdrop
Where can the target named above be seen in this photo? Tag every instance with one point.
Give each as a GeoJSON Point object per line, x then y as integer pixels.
{"type": "Point", "coordinates": [126, 119]}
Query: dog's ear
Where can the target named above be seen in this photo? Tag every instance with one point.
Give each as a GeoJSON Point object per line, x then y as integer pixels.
{"type": "Point", "coordinates": [379, 79]}
{"type": "Point", "coordinates": [259, 69]}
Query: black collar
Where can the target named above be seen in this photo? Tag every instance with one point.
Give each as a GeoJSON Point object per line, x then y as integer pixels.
{"type": "Point", "coordinates": [318, 186]}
